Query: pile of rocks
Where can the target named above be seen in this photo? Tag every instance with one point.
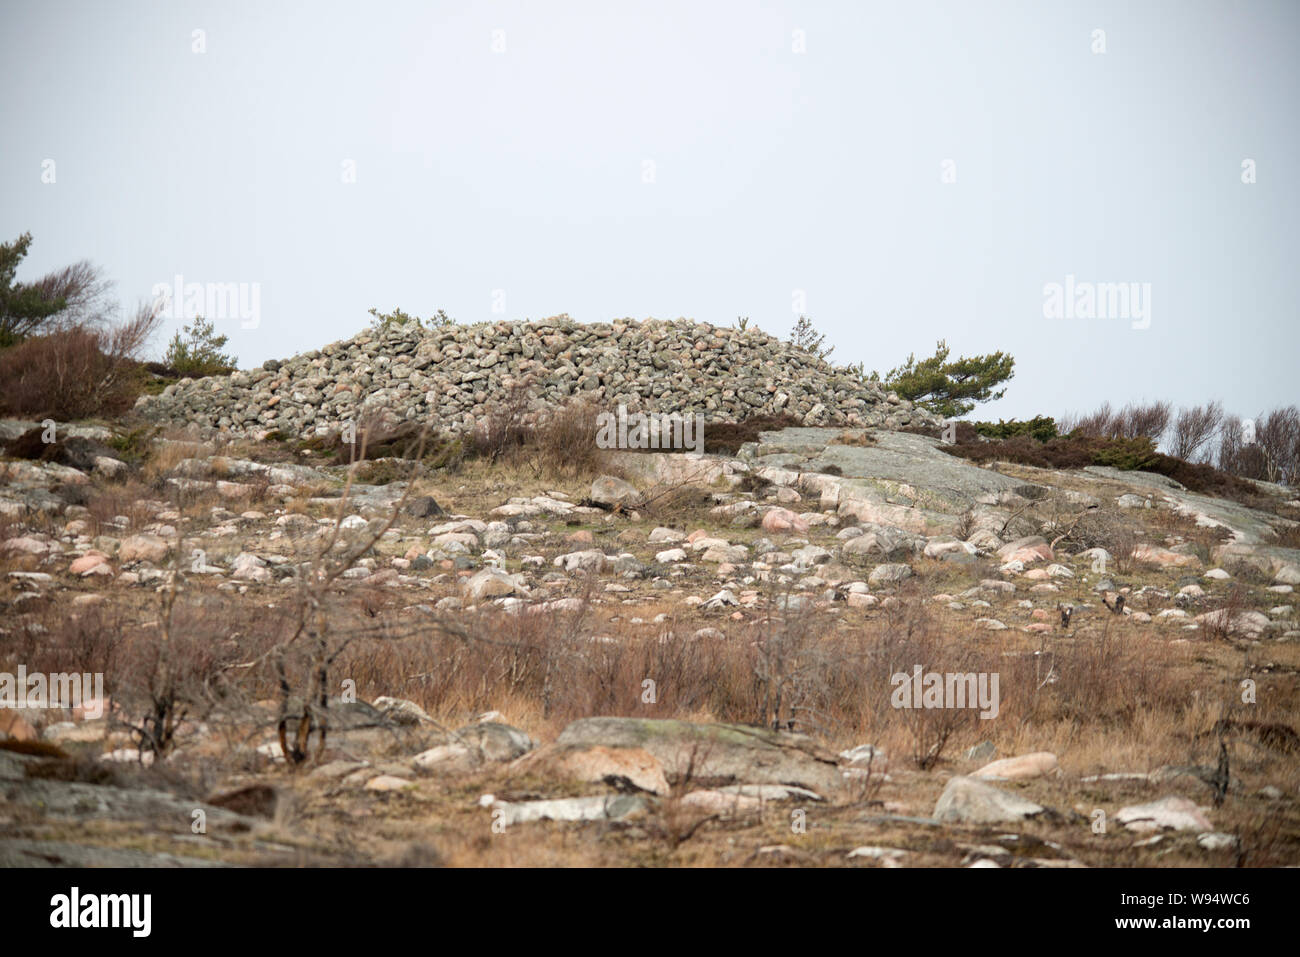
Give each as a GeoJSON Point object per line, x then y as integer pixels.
{"type": "Point", "coordinates": [453, 375]}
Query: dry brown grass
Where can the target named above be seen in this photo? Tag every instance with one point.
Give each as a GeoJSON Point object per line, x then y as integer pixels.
{"type": "Point", "coordinates": [128, 500]}
{"type": "Point", "coordinates": [830, 679]}
{"type": "Point", "coordinates": [1119, 701]}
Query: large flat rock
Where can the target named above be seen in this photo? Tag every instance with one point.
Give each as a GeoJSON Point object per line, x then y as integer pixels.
{"type": "Point", "coordinates": [715, 754]}
{"type": "Point", "coordinates": [902, 479]}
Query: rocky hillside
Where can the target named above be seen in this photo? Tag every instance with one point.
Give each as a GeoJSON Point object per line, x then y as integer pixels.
{"type": "Point", "coordinates": [591, 671]}
{"type": "Point", "coordinates": [452, 375]}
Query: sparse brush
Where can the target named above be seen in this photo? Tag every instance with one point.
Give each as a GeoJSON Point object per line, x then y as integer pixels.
{"type": "Point", "coordinates": [1220, 624]}
{"type": "Point", "coordinates": [77, 371]}
{"type": "Point", "coordinates": [1287, 536]}
{"type": "Point", "coordinates": [855, 437]}
{"type": "Point", "coordinates": [505, 428]}
{"type": "Point", "coordinates": [726, 438]}
{"type": "Point", "coordinates": [754, 484]}
{"type": "Point", "coordinates": [563, 444]}
{"type": "Point", "coordinates": [678, 503]}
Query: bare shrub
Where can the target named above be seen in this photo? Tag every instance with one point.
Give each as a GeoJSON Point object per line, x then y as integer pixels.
{"type": "Point", "coordinates": [77, 371]}
{"type": "Point", "coordinates": [789, 669]}
{"type": "Point", "coordinates": [1266, 448]}
{"type": "Point", "coordinates": [1124, 540]}
{"type": "Point", "coordinates": [1220, 622]}
{"type": "Point", "coordinates": [57, 642]}
{"type": "Point", "coordinates": [913, 637]}
{"type": "Point", "coordinates": [75, 295]}
{"type": "Point", "coordinates": [678, 503]}
{"type": "Point", "coordinates": [1103, 679]}
{"type": "Point", "coordinates": [564, 443]}
{"type": "Point", "coordinates": [1098, 423]}
{"type": "Point", "coordinates": [1278, 435]}
{"type": "Point", "coordinates": [726, 438]}
{"type": "Point", "coordinates": [321, 632]}
{"type": "Point", "coordinates": [82, 289]}
{"type": "Point", "coordinates": [1193, 429]}
{"type": "Point", "coordinates": [110, 502]}
{"type": "Point", "coordinates": [1145, 421]}
{"type": "Point", "coordinates": [1288, 536]}
{"type": "Point", "coordinates": [675, 822]}
{"type": "Point", "coordinates": [1134, 421]}
{"type": "Point", "coordinates": [164, 675]}
{"type": "Point", "coordinates": [504, 429]}
{"type": "Point", "coordinates": [557, 442]}
{"type": "Point", "coordinates": [1238, 453]}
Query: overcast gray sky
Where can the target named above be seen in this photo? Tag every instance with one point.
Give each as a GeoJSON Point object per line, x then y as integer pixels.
{"type": "Point", "coordinates": [701, 159]}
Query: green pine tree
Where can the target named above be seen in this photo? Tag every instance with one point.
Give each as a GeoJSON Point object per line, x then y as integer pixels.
{"type": "Point", "coordinates": [950, 389]}
{"type": "Point", "coordinates": [25, 306]}
{"type": "Point", "coordinates": [198, 353]}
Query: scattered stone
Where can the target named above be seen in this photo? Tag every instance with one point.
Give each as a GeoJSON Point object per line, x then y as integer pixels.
{"type": "Point", "coordinates": [614, 808]}
{"type": "Point", "coordinates": [424, 506]}
{"type": "Point", "coordinates": [446, 758]}
{"type": "Point", "coordinates": [783, 520]}
{"type": "Point", "coordinates": [492, 582]}
{"type": "Point", "coordinates": [888, 574]}
{"type": "Point", "coordinates": [1217, 841]}
{"type": "Point", "coordinates": [143, 548]}
{"type": "Point", "coordinates": [723, 599]}
{"type": "Point", "coordinates": [615, 493]}
{"type": "Point", "coordinates": [874, 853]}
{"type": "Point", "coordinates": [1174, 812]}
{"type": "Point", "coordinates": [1035, 765]}
{"type": "Point", "coordinates": [865, 756]}
{"type": "Point", "coordinates": [591, 561]}
{"type": "Point", "coordinates": [981, 752]}
{"type": "Point", "coordinates": [1250, 624]}
{"type": "Point", "coordinates": [1154, 555]}
{"type": "Point", "coordinates": [87, 563]}
{"type": "Point", "coordinates": [968, 800]}
{"type": "Point", "coordinates": [622, 768]}
{"type": "Point", "coordinates": [401, 711]}
{"type": "Point", "coordinates": [882, 543]}
{"type": "Point", "coordinates": [1288, 575]}
{"type": "Point", "coordinates": [1031, 548]}
{"type": "Point", "coordinates": [494, 741]}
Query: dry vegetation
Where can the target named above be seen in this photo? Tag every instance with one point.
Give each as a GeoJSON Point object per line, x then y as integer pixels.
{"type": "Point", "coordinates": [212, 683]}
{"type": "Point", "coordinates": [207, 674]}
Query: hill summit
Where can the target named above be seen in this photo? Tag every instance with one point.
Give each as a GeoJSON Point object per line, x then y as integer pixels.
{"type": "Point", "coordinates": [454, 375]}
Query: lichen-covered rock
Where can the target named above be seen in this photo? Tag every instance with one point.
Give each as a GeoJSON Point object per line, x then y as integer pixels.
{"type": "Point", "coordinates": [717, 753]}
{"type": "Point", "coordinates": [612, 492]}
{"type": "Point", "coordinates": [971, 801]}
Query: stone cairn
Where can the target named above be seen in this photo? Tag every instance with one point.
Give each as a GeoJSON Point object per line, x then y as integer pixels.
{"type": "Point", "coordinates": [451, 377]}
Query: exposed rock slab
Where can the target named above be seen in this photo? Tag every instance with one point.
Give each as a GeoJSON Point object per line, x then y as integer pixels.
{"type": "Point", "coordinates": [716, 753]}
